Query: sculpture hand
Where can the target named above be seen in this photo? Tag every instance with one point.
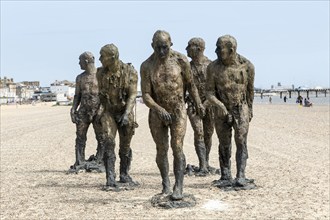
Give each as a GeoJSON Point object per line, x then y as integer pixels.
{"type": "Point", "coordinates": [123, 121]}
{"type": "Point", "coordinates": [165, 116]}
{"type": "Point", "coordinates": [201, 110]}
{"type": "Point", "coordinates": [250, 115]}
{"type": "Point", "coordinates": [73, 116]}
{"type": "Point", "coordinates": [222, 110]}
{"type": "Point", "coordinates": [229, 118]}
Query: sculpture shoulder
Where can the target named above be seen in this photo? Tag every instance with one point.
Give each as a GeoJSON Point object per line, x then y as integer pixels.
{"type": "Point", "coordinates": [243, 60]}
{"type": "Point", "coordinates": [212, 65]}
{"type": "Point", "coordinates": [99, 70]}
{"type": "Point", "coordinates": [99, 73]}
{"type": "Point", "coordinates": [148, 62]}
{"type": "Point", "coordinates": [129, 68]}
{"type": "Point", "coordinates": [78, 77]}
{"type": "Point", "coordinates": [182, 59]}
{"type": "Point", "coordinates": [207, 60]}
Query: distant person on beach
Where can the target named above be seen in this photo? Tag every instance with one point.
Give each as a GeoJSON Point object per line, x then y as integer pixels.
{"type": "Point", "coordinates": [307, 103]}
{"type": "Point", "coordinates": [300, 99]}
{"type": "Point", "coordinates": [270, 100]}
{"type": "Point", "coordinates": [165, 77]}
{"type": "Point", "coordinates": [87, 99]}
{"type": "Point", "coordinates": [230, 88]}
{"type": "Point", "coordinates": [284, 98]}
{"type": "Point", "coordinates": [118, 90]}
{"type": "Point", "coordinates": [203, 127]}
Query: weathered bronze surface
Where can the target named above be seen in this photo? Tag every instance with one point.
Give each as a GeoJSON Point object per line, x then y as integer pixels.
{"type": "Point", "coordinates": [165, 77]}
{"type": "Point", "coordinates": [86, 103]}
{"type": "Point", "coordinates": [230, 88]}
{"type": "Point", "coordinates": [118, 90]}
{"type": "Point", "coordinates": [203, 127]}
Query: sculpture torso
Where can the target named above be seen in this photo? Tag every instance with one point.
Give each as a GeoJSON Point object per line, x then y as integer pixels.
{"type": "Point", "coordinates": [231, 82]}
{"type": "Point", "coordinates": [167, 82]}
{"type": "Point", "coordinates": [199, 76]}
{"type": "Point", "coordinates": [88, 87]}
{"type": "Point", "coordinates": [113, 88]}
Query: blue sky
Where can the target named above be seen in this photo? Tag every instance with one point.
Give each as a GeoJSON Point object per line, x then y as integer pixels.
{"type": "Point", "coordinates": [287, 41]}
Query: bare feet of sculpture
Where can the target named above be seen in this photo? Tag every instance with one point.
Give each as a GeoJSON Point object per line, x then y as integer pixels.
{"type": "Point", "coordinates": [195, 170]}
{"type": "Point", "coordinates": [76, 168]}
{"type": "Point", "coordinates": [213, 170]}
{"type": "Point", "coordinates": [126, 180]}
{"type": "Point", "coordinates": [167, 202]}
{"type": "Point", "coordinates": [88, 166]}
{"type": "Point", "coordinates": [237, 184]}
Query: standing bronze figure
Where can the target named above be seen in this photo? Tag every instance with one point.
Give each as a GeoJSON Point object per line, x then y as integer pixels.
{"type": "Point", "coordinates": [203, 127]}
{"type": "Point", "coordinates": [165, 77]}
{"type": "Point", "coordinates": [118, 90]}
{"type": "Point", "coordinates": [87, 99]}
{"type": "Point", "coordinates": [230, 88]}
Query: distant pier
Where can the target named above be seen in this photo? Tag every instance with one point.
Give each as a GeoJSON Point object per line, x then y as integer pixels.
{"type": "Point", "coordinates": [294, 92]}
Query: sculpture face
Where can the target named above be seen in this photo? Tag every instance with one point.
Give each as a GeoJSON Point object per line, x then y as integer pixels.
{"type": "Point", "coordinates": [162, 48]}
{"type": "Point", "coordinates": [83, 63]}
{"type": "Point", "coordinates": [107, 59]}
{"type": "Point", "coordinates": [193, 50]}
{"type": "Point", "coordinates": [223, 52]}
{"type": "Point", "coordinates": [161, 43]}
{"type": "Point", "coordinates": [85, 59]}
{"type": "Point", "coordinates": [226, 49]}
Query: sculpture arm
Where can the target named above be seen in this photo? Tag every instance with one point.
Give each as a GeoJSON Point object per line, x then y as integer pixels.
{"type": "Point", "coordinates": [211, 89]}
{"type": "Point", "coordinates": [191, 87]}
{"type": "Point", "coordinates": [146, 89]}
{"type": "Point", "coordinates": [77, 95]}
{"type": "Point", "coordinates": [132, 91]}
{"type": "Point", "coordinates": [250, 89]}
{"type": "Point", "coordinates": [101, 95]}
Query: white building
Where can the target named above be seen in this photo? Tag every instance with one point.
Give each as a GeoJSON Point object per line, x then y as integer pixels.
{"type": "Point", "coordinates": [66, 90]}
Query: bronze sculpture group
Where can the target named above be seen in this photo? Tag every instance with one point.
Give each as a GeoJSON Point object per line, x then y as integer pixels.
{"type": "Point", "coordinates": [216, 94]}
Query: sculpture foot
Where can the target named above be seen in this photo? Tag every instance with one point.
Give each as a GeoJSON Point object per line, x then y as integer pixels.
{"type": "Point", "coordinates": [189, 170]}
{"type": "Point", "coordinates": [108, 188]}
{"type": "Point", "coordinates": [76, 168]}
{"type": "Point", "coordinates": [244, 184]}
{"type": "Point", "coordinates": [202, 173]}
{"type": "Point", "coordinates": [93, 166]}
{"type": "Point", "coordinates": [127, 179]}
{"type": "Point", "coordinates": [166, 191]}
{"type": "Point", "coordinates": [167, 202]}
{"type": "Point", "coordinates": [195, 170]}
{"type": "Point", "coordinates": [222, 183]}
{"type": "Point", "coordinates": [213, 170]}
{"type": "Point", "coordinates": [176, 195]}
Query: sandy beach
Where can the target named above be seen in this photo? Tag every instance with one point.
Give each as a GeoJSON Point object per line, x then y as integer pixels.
{"type": "Point", "coordinates": [288, 158]}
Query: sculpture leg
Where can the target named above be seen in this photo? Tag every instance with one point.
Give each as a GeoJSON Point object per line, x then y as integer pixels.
{"type": "Point", "coordinates": [159, 134]}
{"type": "Point", "coordinates": [201, 153]}
{"type": "Point", "coordinates": [178, 130]}
{"type": "Point", "coordinates": [179, 166]}
{"type": "Point", "coordinates": [109, 163]}
{"type": "Point", "coordinates": [208, 126]}
{"type": "Point", "coordinates": [125, 150]}
{"type": "Point", "coordinates": [100, 137]}
{"type": "Point", "coordinates": [109, 128]}
{"type": "Point", "coordinates": [81, 138]}
{"type": "Point", "coordinates": [197, 125]}
{"type": "Point", "coordinates": [224, 132]}
{"type": "Point", "coordinates": [241, 127]}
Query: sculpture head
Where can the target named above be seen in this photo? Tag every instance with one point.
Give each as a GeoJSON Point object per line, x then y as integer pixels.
{"type": "Point", "coordinates": [85, 59]}
{"type": "Point", "coordinates": [226, 49]}
{"type": "Point", "coordinates": [161, 43]}
{"type": "Point", "coordinates": [109, 55]}
{"type": "Point", "coordinates": [195, 48]}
